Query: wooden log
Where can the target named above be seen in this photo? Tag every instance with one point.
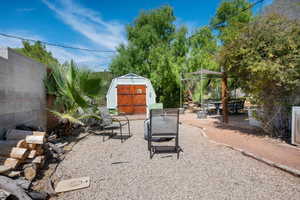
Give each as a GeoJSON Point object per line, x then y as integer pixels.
{"type": "Point", "coordinates": [13, 174]}
{"type": "Point", "coordinates": [6, 146]}
{"type": "Point", "coordinates": [14, 134]}
{"type": "Point", "coordinates": [30, 171]}
{"type": "Point", "coordinates": [12, 162]}
{"type": "Point", "coordinates": [10, 186]}
{"type": "Point", "coordinates": [39, 161]}
{"type": "Point", "coordinates": [4, 169]}
{"type": "Point", "coordinates": [19, 153]}
{"type": "Point", "coordinates": [32, 146]}
{"type": "Point", "coordinates": [32, 154]}
{"type": "Point", "coordinates": [22, 144]}
{"type": "Point", "coordinates": [35, 139]}
{"type": "Point", "coordinates": [39, 151]}
{"type": "Point", "coordinates": [39, 133]}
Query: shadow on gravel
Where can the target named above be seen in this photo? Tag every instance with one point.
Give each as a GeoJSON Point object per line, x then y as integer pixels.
{"type": "Point", "coordinates": [121, 162]}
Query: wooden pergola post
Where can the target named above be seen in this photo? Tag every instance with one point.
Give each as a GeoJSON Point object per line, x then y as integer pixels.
{"type": "Point", "coordinates": [225, 97]}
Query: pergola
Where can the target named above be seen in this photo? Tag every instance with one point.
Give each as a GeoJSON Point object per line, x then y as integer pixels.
{"type": "Point", "coordinates": [204, 73]}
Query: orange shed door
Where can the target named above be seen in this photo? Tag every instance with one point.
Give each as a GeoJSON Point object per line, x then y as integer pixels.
{"type": "Point", "coordinates": [131, 99]}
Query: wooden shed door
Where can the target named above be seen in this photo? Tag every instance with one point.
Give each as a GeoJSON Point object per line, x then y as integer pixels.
{"type": "Point", "coordinates": [132, 99]}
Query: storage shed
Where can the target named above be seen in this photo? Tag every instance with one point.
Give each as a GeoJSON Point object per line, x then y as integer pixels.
{"type": "Point", "coordinates": [130, 94]}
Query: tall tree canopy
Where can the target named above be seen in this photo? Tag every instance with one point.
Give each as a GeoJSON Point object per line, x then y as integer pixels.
{"type": "Point", "coordinates": [288, 8]}
{"type": "Point", "coordinates": [231, 16]}
{"type": "Point", "coordinates": [156, 50]}
{"type": "Point", "coordinates": [38, 52]}
{"type": "Point", "coordinates": [265, 57]}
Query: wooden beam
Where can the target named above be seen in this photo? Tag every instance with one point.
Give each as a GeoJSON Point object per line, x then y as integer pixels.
{"type": "Point", "coordinates": [225, 98]}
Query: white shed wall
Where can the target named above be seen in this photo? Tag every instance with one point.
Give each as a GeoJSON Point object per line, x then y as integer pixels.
{"type": "Point", "coordinates": [111, 96]}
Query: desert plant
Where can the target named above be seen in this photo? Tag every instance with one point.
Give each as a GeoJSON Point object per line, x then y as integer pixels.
{"type": "Point", "coordinates": [75, 90]}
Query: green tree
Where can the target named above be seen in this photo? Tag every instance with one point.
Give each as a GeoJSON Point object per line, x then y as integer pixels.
{"type": "Point", "coordinates": [288, 8]}
{"type": "Point", "coordinates": [156, 50]}
{"type": "Point", "coordinates": [202, 51]}
{"type": "Point", "coordinates": [38, 52]}
{"type": "Point", "coordinates": [231, 16]}
{"type": "Point", "coordinates": [265, 57]}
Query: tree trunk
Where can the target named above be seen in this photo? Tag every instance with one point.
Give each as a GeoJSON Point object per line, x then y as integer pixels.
{"type": "Point", "coordinates": [225, 98]}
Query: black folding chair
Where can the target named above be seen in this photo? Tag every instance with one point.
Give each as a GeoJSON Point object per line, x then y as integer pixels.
{"type": "Point", "coordinates": [109, 122]}
{"type": "Point", "coordinates": [163, 123]}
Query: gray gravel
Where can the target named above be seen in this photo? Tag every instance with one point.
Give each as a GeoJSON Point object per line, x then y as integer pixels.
{"type": "Point", "coordinates": [204, 171]}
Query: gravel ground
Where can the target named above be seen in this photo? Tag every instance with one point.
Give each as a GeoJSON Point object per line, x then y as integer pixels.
{"type": "Point", "coordinates": [204, 171]}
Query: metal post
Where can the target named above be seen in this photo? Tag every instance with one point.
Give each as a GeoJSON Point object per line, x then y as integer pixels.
{"type": "Point", "coordinates": [180, 91]}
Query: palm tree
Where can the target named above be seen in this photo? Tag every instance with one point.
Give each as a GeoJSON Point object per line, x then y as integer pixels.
{"type": "Point", "coordinates": [76, 91]}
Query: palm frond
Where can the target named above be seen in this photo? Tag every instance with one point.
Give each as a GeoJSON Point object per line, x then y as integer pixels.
{"type": "Point", "coordinates": [67, 117]}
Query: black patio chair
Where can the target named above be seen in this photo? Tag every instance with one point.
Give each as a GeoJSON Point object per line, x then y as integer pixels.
{"type": "Point", "coordinates": [163, 123]}
{"type": "Point", "coordinates": [108, 122]}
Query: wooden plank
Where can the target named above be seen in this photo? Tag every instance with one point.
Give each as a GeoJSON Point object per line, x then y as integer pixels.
{"type": "Point", "coordinates": [19, 153]}
{"type": "Point", "coordinates": [35, 139]}
{"type": "Point", "coordinates": [14, 134]}
{"type": "Point", "coordinates": [72, 184]}
{"type": "Point", "coordinates": [11, 162]}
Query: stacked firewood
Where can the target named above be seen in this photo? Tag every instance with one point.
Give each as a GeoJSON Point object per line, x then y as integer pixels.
{"type": "Point", "coordinates": [22, 153]}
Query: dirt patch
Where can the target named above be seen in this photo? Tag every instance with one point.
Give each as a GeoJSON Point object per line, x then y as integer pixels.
{"type": "Point", "coordinates": [242, 136]}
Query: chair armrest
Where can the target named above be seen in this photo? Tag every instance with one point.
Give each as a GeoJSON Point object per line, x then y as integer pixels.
{"type": "Point", "coordinates": [118, 120]}
{"type": "Point", "coordinates": [124, 115]}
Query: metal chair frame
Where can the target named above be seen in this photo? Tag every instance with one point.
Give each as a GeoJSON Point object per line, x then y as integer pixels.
{"type": "Point", "coordinates": [155, 149]}
{"type": "Point", "coordinates": [111, 126]}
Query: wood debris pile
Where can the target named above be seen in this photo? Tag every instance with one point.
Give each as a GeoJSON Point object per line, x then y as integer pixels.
{"type": "Point", "coordinates": [22, 155]}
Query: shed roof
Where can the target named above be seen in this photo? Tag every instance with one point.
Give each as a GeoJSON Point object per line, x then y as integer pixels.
{"type": "Point", "coordinates": [131, 76]}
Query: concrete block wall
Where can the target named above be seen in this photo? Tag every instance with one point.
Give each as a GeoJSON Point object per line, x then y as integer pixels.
{"type": "Point", "coordinates": [22, 92]}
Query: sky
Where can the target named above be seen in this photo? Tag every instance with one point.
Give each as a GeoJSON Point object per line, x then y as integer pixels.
{"type": "Point", "coordinates": [92, 24]}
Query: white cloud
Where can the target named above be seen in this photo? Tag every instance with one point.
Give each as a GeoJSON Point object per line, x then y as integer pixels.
{"type": "Point", "coordinates": [106, 34]}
